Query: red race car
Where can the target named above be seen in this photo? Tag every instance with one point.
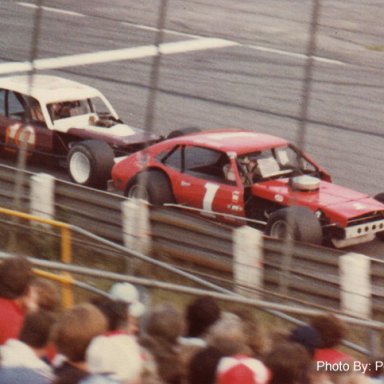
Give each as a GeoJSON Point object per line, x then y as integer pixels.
{"type": "Point", "coordinates": [243, 176]}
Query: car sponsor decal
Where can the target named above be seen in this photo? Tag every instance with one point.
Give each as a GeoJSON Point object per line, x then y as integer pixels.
{"type": "Point", "coordinates": [235, 196]}
{"type": "Point", "coordinates": [234, 207]}
{"type": "Point", "coordinates": [279, 198]}
{"type": "Point", "coordinates": [359, 206]}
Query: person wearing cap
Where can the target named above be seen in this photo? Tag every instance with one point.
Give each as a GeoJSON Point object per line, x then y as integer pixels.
{"type": "Point", "coordinates": [15, 277]}
{"type": "Point", "coordinates": [123, 309]}
{"type": "Point", "coordinates": [128, 294]}
{"type": "Point", "coordinates": [332, 331]}
{"type": "Point", "coordinates": [308, 337]}
{"type": "Point", "coordinates": [242, 370]}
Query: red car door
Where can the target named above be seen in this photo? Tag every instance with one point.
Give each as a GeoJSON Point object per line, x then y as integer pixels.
{"type": "Point", "coordinates": [200, 182]}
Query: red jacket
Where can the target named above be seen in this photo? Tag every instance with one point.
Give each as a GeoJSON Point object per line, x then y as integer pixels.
{"type": "Point", "coordinates": [11, 319]}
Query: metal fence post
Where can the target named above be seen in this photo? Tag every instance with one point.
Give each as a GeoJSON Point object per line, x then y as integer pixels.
{"type": "Point", "coordinates": [355, 284]}
{"type": "Point", "coordinates": [136, 226]}
{"type": "Point", "coordinates": [42, 196]}
{"type": "Point", "coordinates": [248, 260]}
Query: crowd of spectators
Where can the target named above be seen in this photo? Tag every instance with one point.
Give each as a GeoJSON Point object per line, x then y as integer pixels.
{"type": "Point", "coordinates": [115, 339]}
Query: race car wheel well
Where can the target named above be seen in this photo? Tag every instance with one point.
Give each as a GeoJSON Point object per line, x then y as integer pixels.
{"type": "Point", "coordinates": [157, 190]}
{"type": "Point", "coordinates": [380, 197]}
{"type": "Point", "coordinates": [90, 163]}
{"type": "Point", "coordinates": [258, 208]}
{"type": "Point", "coordinates": [296, 222]}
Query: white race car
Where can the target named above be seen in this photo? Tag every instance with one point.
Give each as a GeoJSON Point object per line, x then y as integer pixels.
{"type": "Point", "coordinates": [66, 120]}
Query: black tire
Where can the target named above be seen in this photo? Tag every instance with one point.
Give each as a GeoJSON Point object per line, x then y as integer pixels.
{"type": "Point", "coordinates": [380, 197]}
{"type": "Point", "coordinates": [305, 225]}
{"type": "Point", "coordinates": [183, 132]}
{"type": "Point", "coordinates": [90, 163]}
{"type": "Point", "coordinates": [152, 186]}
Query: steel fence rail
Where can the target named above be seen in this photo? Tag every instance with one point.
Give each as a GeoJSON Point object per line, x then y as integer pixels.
{"type": "Point", "coordinates": [151, 283]}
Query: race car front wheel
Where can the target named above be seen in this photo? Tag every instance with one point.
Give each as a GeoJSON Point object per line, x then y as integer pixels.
{"type": "Point", "coordinates": [296, 223]}
{"type": "Point", "coordinates": [90, 163]}
{"type": "Point", "coordinates": [380, 197]}
{"type": "Point", "coordinates": [152, 186]}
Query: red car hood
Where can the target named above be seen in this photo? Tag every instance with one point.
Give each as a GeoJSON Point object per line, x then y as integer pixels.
{"type": "Point", "coordinates": [339, 204]}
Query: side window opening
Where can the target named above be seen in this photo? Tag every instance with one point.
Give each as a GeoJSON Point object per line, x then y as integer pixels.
{"type": "Point", "coordinates": [65, 109]}
{"type": "Point", "coordinates": [16, 106]}
{"type": "Point", "coordinates": [2, 102]}
{"type": "Point", "coordinates": [207, 164]}
{"type": "Point", "coordinates": [173, 159]}
{"type": "Point", "coordinates": [36, 113]}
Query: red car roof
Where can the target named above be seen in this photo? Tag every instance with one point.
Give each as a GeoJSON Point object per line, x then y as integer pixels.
{"type": "Point", "coordinates": [233, 140]}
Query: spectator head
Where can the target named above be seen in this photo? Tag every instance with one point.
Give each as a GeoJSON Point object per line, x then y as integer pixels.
{"type": "Point", "coordinates": [307, 336]}
{"type": "Point", "coordinates": [203, 365]}
{"type": "Point", "coordinates": [242, 370]}
{"type": "Point", "coordinates": [166, 323]}
{"type": "Point", "coordinates": [228, 336]}
{"type": "Point", "coordinates": [42, 295]}
{"type": "Point", "coordinates": [257, 339]}
{"type": "Point", "coordinates": [114, 311]}
{"type": "Point", "coordinates": [36, 329]}
{"type": "Point", "coordinates": [47, 294]}
{"type": "Point", "coordinates": [116, 356]}
{"type": "Point", "coordinates": [289, 363]}
{"type": "Point", "coordinates": [76, 328]}
{"type": "Point", "coordinates": [331, 329]}
{"type": "Point", "coordinates": [15, 277]}
{"type": "Point", "coordinates": [200, 315]}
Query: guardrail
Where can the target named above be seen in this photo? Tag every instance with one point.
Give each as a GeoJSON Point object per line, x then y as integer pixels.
{"type": "Point", "coordinates": [314, 276]}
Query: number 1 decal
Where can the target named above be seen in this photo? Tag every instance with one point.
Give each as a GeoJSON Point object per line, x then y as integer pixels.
{"type": "Point", "coordinates": [210, 194]}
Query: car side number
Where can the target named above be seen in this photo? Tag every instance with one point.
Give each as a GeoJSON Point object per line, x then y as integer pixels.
{"type": "Point", "coordinates": [16, 133]}
{"type": "Point", "coordinates": [210, 193]}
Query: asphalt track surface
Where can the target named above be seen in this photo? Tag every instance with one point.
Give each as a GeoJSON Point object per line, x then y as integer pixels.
{"type": "Point", "coordinates": [231, 64]}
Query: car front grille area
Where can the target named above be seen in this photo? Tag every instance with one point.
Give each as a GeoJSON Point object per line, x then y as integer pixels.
{"type": "Point", "coordinates": [365, 225]}
{"type": "Point", "coordinates": [375, 216]}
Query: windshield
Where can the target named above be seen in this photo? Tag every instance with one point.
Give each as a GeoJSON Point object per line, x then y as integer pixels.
{"type": "Point", "coordinates": [274, 163]}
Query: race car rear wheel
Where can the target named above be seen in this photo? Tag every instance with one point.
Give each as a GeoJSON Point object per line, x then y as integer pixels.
{"type": "Point", "coordinates": [380, 197]}
{"type": "Point", "coordinates": [90, 163]}
{"type": "Point", "coordinates": [302, 226]}
{"type": "Point", "coordinates": [152, 186]}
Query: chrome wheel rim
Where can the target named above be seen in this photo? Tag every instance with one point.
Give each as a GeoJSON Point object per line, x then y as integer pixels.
{"type": "Point", "coordinates": [80, 167]}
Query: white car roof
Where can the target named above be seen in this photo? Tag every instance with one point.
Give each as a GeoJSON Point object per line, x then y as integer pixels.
{"type": "Point", "coordinates": [48, 89]}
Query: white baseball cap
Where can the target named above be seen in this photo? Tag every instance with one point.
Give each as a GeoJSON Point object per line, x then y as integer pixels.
{"type": "Point", "coordinates": [129, 294]}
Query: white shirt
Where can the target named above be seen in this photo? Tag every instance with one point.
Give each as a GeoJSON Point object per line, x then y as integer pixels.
{"type": "Point", "coordinates": [15, 353]}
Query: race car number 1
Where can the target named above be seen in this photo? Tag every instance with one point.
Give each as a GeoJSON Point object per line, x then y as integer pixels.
{"type": "Point", "coordinates": [210, 193]}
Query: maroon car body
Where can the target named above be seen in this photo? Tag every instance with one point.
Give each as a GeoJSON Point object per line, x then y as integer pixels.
{"type": "Point", "coordinates": [66, 120]}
